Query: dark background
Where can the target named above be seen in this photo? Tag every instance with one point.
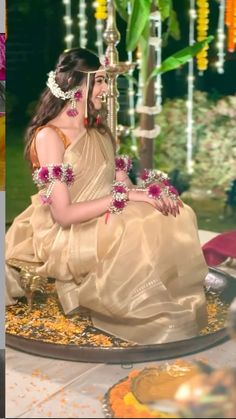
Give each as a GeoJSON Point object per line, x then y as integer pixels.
{"type": "Point", "coordinates": [36, 38]}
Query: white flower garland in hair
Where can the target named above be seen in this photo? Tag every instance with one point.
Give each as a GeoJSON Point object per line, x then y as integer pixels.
{"type": "Point", "coordinates": [56, 90]}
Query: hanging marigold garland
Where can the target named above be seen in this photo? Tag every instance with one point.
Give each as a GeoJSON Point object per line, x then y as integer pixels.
{"type": "Point", "coordinates": [202, 29]}
{"type": "Point", "coordinates": [101, 9]}
{"type": "Point", "coordinates": [230, 21]}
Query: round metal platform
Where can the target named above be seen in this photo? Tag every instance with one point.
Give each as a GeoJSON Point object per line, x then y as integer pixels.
{"type": "Point", "coordinates": [129, 354]}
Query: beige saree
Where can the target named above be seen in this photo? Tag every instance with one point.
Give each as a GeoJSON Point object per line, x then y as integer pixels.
{"type": "Point", "coordinates": [141, 274]}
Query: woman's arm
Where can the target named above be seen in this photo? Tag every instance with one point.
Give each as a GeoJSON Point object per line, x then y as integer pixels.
{"type": "Point", "coordinates": [122, 176]}
{"type": "Point", "coordinates": [50, 150]}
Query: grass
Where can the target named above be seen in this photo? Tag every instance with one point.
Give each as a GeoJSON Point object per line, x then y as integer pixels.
{"type": "Point", "coordinates": [19, 188]}
{"type": "Point", "coordinates": [211, 215]}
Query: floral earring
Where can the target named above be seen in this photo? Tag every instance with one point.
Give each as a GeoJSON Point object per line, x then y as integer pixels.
{"type": "Point", "coordinates": [98, 120]}
{"type": "Point", "coordinates": [72, 111]}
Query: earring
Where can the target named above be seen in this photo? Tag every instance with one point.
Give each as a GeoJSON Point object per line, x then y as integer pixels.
{"type": "Point", "coordinates": [72, 111]}
{"type": "Point", "coordinates": [98, 120]}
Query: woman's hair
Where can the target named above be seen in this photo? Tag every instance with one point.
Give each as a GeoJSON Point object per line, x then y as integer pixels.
{"type": "Point", "coordinates": [69, 74]}
{"type": "Point", "coordinates": [2, 97]}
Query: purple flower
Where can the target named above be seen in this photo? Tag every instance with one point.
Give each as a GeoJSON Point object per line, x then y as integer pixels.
{"type": "Point", "coordinates": [119, 189]}
{"type": "Point", "coordinates": [154, 191]}
{"type": "Point", "coordinates": [173, 190]}
{"type": "Point", "coordinates": [119, 204]}
{"type": "Point", "coordinates": [106, 61]}
{"type": "Point", "coordinates": [56, 171]}
{"type": "Point", "coordinates": [43, 174]}
{"type": "Point", "coordinates": [72, 112]}
{"type": "Point", "coordinates": [120, 164]}
{"type": "Point", "coordinates": [144, 175]}
{"type": "Point", "coordinates": [78, 95]}
{"type": "Point", "coordinates": [69, 175]}
{"type": "Point", "coordinates": [166, 182]}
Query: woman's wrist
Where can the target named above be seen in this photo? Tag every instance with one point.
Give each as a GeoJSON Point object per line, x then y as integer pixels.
{"type": "Point", "coordinates": [120, 196]}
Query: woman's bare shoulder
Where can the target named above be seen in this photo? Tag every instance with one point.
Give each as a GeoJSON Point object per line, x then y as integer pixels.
{"type": "Point", "coordinates": [49, 146]}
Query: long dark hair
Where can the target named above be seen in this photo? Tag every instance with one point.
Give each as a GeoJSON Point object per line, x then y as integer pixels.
{"type": "Point", "coordinates": [69, 74]}
{"type": "Point", "coordinates": [2, 97]}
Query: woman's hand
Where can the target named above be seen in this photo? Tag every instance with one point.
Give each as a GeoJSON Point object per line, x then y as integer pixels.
{"type": "Point", "coordinates": [165, 205]}
{"type": "Point", "coordinates": [141, 196]}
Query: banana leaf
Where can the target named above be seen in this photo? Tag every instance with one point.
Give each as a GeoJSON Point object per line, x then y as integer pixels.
{"type": "Point", "coordinates": [121, 7]}
{"type": "Point", "coordinates": [165, 7]}
{"type": "Point", "coordinates": [137, 22]}
{"type": "Point", "coordinates": [173, 26]}
{"type": "Point", "coordinates": [180, 58]}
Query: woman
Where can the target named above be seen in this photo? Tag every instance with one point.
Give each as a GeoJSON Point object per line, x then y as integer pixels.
{"type": "Point", "coordinates": [131, 256]}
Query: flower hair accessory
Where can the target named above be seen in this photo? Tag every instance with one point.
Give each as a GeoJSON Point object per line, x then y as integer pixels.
{"type": "Point", "coordinates": [124, 163]}
{"type": "Point", "coordinates": [48, 175]}
{"type": "Point", "coordinates": [74, 95]}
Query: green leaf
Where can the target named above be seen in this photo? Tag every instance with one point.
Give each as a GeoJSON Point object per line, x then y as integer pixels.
{"type": "Point", "coordinates": [121, 7]}
{"type": "Point", "coordinates": [181, 57]}
{"type": "Point", "coordinates": [139, 16]}
{"type": "Point", "coordinates": [131, 78]}
{"type": "Point", "coordinates": [165, 7]}
{"type": "Point", "coordinates": [174, 28]}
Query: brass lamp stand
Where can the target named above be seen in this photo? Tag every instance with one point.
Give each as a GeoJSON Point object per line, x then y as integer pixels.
{"type": "Point", "coordinates": [114, 67]}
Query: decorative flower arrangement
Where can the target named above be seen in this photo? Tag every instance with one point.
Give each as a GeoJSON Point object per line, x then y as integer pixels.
{"type": "Point", "coordinates": [119, 197]}
{"type": "Point", "coordinates": [202, 29]}
{"type": "Point", "coordinates": [132, 397]}
{"type": "Point", "coordinates": [47, 174]}
{"type": "Point", "coordinates": [101, 9]}
{"type": "Point", "coordinates": [230, 21]}
{"type": "Point", "coordinates": [149, 176]}
{"type": "Point", "coordinates": [2, 57]}
{"type": "Point", "coordinates": [123, 162]}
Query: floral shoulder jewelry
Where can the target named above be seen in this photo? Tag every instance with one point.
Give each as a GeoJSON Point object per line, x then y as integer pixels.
{"type": "Point", "coordinates": [48, 175]}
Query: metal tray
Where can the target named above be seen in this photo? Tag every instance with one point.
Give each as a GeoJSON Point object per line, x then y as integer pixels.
{"type": "Point", "coordinates": [139, 353]}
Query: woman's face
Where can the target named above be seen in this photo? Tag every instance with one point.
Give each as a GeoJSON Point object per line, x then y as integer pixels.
{"type": "Point", "coordinates": [99, 89]}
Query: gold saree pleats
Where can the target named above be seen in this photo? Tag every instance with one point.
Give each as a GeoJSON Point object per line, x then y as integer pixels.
{"type": "Point", "coordinates": [141, 274]}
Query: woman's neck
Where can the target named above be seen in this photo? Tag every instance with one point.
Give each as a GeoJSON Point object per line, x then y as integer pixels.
{"type": "Point", "coordinates": [62, 120]}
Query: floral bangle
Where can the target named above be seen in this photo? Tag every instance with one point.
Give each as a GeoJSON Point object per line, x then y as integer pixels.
{"type": "Point", "coordinates": [119, 197]}
{"type": "Point", "coordinates": [123, 162]}
{"type": "Point", "coordinates": [47, 174]}
{"type": "Point", "coordinates": [149, 176]}
{"type": "Point", "coordinates": [171, 192]}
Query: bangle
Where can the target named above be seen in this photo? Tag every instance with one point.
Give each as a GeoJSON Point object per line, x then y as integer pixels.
{"type": "Point", "coordinates": [123, 162]}
{"type": "Point", "coordinates": [52, 172]}
{"type": "Point", "coordinates": [149, 176]}
{"type": "Point", "coordinates": [119, 197]}
{"type": "Point", "coordinates": [171, 192]}
{"type": "Point", "coordinates": [46, 177]}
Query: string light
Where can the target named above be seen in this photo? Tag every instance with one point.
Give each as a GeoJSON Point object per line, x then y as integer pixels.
{"type": "Point", "coordinates": [189, 102]}
{"type": "Point", "coordinates": [221, 38]}
{"type": "Point", "coordinates": [100, 15]}
{"type": "Point", "coordinates": [156, 42]}
{"type": "Point", "coordinates": [68, 23]}
{"type": "Point", "coordinates": [82, 23]}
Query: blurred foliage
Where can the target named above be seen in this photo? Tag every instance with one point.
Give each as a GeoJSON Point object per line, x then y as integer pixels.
{"type": "Point", "coordinates": [214, 141]}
